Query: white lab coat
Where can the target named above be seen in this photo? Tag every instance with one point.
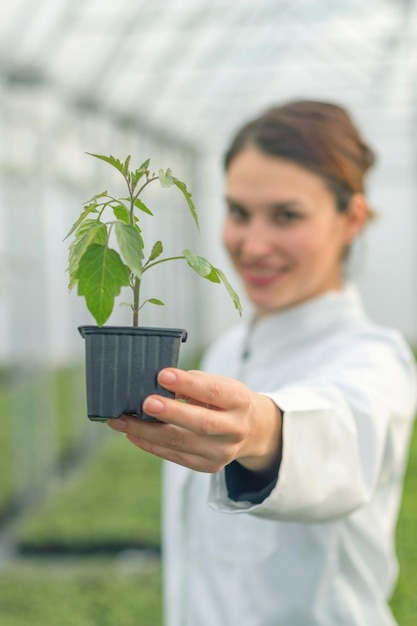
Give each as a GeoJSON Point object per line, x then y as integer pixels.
{"type": "Point", "coordinates": [319, 549]}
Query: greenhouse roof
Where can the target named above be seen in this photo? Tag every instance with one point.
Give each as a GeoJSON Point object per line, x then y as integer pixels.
{"type": "Point", "coordinates": [195, 68]}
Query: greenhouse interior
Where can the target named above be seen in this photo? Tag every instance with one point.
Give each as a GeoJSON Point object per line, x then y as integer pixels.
{"type": "Point", "coordinates": [170, 81]}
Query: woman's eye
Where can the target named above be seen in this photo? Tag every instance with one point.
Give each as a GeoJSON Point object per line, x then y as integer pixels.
{"type": "Point", "coordinates": [237, 213]}
{"type": "Point", "coordinates": [286, 217]}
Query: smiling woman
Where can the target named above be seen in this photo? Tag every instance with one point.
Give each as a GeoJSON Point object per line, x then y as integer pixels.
{"type": "Point", "coordinates": [283, 231]}
{"type": "Point", "coordinates": [298, 172]}
{"type": "Point", "coordinates": [286, 459]}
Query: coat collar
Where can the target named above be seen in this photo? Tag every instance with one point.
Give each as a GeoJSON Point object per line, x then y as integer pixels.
{"type": "Point", "coordinates": [298, 323]}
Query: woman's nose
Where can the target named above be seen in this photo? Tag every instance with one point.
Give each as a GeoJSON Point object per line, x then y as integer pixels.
{"type": "Point", "coordinates": [257, 241]}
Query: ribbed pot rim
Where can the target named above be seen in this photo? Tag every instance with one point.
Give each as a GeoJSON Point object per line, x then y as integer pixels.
{"type": "Point", "coordinates": [133, 330]}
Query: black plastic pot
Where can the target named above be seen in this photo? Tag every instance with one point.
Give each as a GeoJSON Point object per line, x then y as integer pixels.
{"type": "Point", "coordinates": [122, 364]}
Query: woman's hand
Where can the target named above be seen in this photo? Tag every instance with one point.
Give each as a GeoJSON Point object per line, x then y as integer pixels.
{"type": "Point", "coordinates": [219, 420]}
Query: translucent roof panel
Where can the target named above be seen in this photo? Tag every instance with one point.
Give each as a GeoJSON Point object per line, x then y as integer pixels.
{"type": "Point", "coordinates": [196, 67]}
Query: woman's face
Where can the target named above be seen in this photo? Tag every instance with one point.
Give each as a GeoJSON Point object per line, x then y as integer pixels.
{"type": "Point", "coordinates": [282, 231]}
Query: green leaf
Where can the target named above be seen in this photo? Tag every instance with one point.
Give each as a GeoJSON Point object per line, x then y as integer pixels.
{"type": "Point", "coordinates": [121, 213]}
{"type": "Point", "coordinates": [152, 301]}
{"type": "Point", "coordinates": [131, 247]}
{"type": "Point", "coordinates": [102, 194]}
{"type": "Point", "coordinates": [85, 226]}
{"type": "Point", "coordinates": [157, 250]}
{"type": "Point", "coordinates": [232, 293]}
{"type": "Point", "coordinates": [126, 165]}
{"type": "Point", "coordinates": [139, 173]}
{"type": "Point", "coordinates": [88, 233]}
{"type": "Point", "coordinates": [144, 167]}
{"type": "Point", "coordinates": [205, 269]}
{"type": "Point", "coordinates": [213, 276]}
{"type": "Point", "coordinates": [187, 195]}
{"type": "Point", "coordinates": [166, 178]}
{"type": "Point", "coordinates": [199, 264]}
{"type": "Point", "coordinates": [101, 274]}
{"type": "Point", "coordinates": [111, 160]}
{"type": "Point", "coordinates": [140, 205]}
{"type": "Point", "coordinates": [88, 209]}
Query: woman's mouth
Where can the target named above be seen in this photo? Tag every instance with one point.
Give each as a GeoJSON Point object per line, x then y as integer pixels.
{"type": "Point", "coordinates": [261, 277]}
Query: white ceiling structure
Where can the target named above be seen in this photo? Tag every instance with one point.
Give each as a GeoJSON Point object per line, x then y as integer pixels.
{"type": "Point", "coordinates": [193, 68]}
{"type": "Point", "coordinates": [188, 72]}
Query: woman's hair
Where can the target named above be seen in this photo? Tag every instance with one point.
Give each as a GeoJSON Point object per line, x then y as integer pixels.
{"type": "Point", "coordinates": [319, 136]}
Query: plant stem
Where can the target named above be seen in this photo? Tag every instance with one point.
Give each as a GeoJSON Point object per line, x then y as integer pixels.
{"type": "Point", "coordinates": [148, 181]}
{"type": "Point", "coordinates": [132, 211]}
{"type": "Point", "coordinates": [136, 293]}
{"type": "Point", "coordinates": [171, 258]}
{"type": "Point", "coordinates": [136, 288]}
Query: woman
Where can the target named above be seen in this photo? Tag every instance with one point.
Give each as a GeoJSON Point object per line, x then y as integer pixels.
{"type": "Point", "coordinates": [288, 454]}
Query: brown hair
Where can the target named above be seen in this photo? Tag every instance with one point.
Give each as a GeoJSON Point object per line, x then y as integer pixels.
{"type": "Point", "coordinates": [319, 136]}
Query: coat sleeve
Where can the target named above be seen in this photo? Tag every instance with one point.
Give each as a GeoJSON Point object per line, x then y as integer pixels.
{"type": "Point", "coordinates": [346, 430]}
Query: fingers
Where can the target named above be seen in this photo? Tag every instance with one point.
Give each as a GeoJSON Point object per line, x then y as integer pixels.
{"type": "Point", "coordinates": [175, 444]}
{"type": "Point", "coordinates": [211, 401]}
{"type": "Point", "coordinates": [202, 388]}
{"type": "Point", "coordinates": [192, 416]}
{"type": "Point", "coordinates": [187, 458]}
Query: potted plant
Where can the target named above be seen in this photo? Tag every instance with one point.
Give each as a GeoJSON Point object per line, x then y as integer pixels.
{"type": "Point", "coordinates": [122, 362]}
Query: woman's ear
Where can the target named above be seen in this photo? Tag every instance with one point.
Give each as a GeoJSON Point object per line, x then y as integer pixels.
{"type": "Point", "coordinates": [357, 214]}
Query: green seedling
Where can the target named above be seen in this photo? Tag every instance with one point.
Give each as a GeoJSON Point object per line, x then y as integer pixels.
{"type": "Point", "coordinates": [100, 271]}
